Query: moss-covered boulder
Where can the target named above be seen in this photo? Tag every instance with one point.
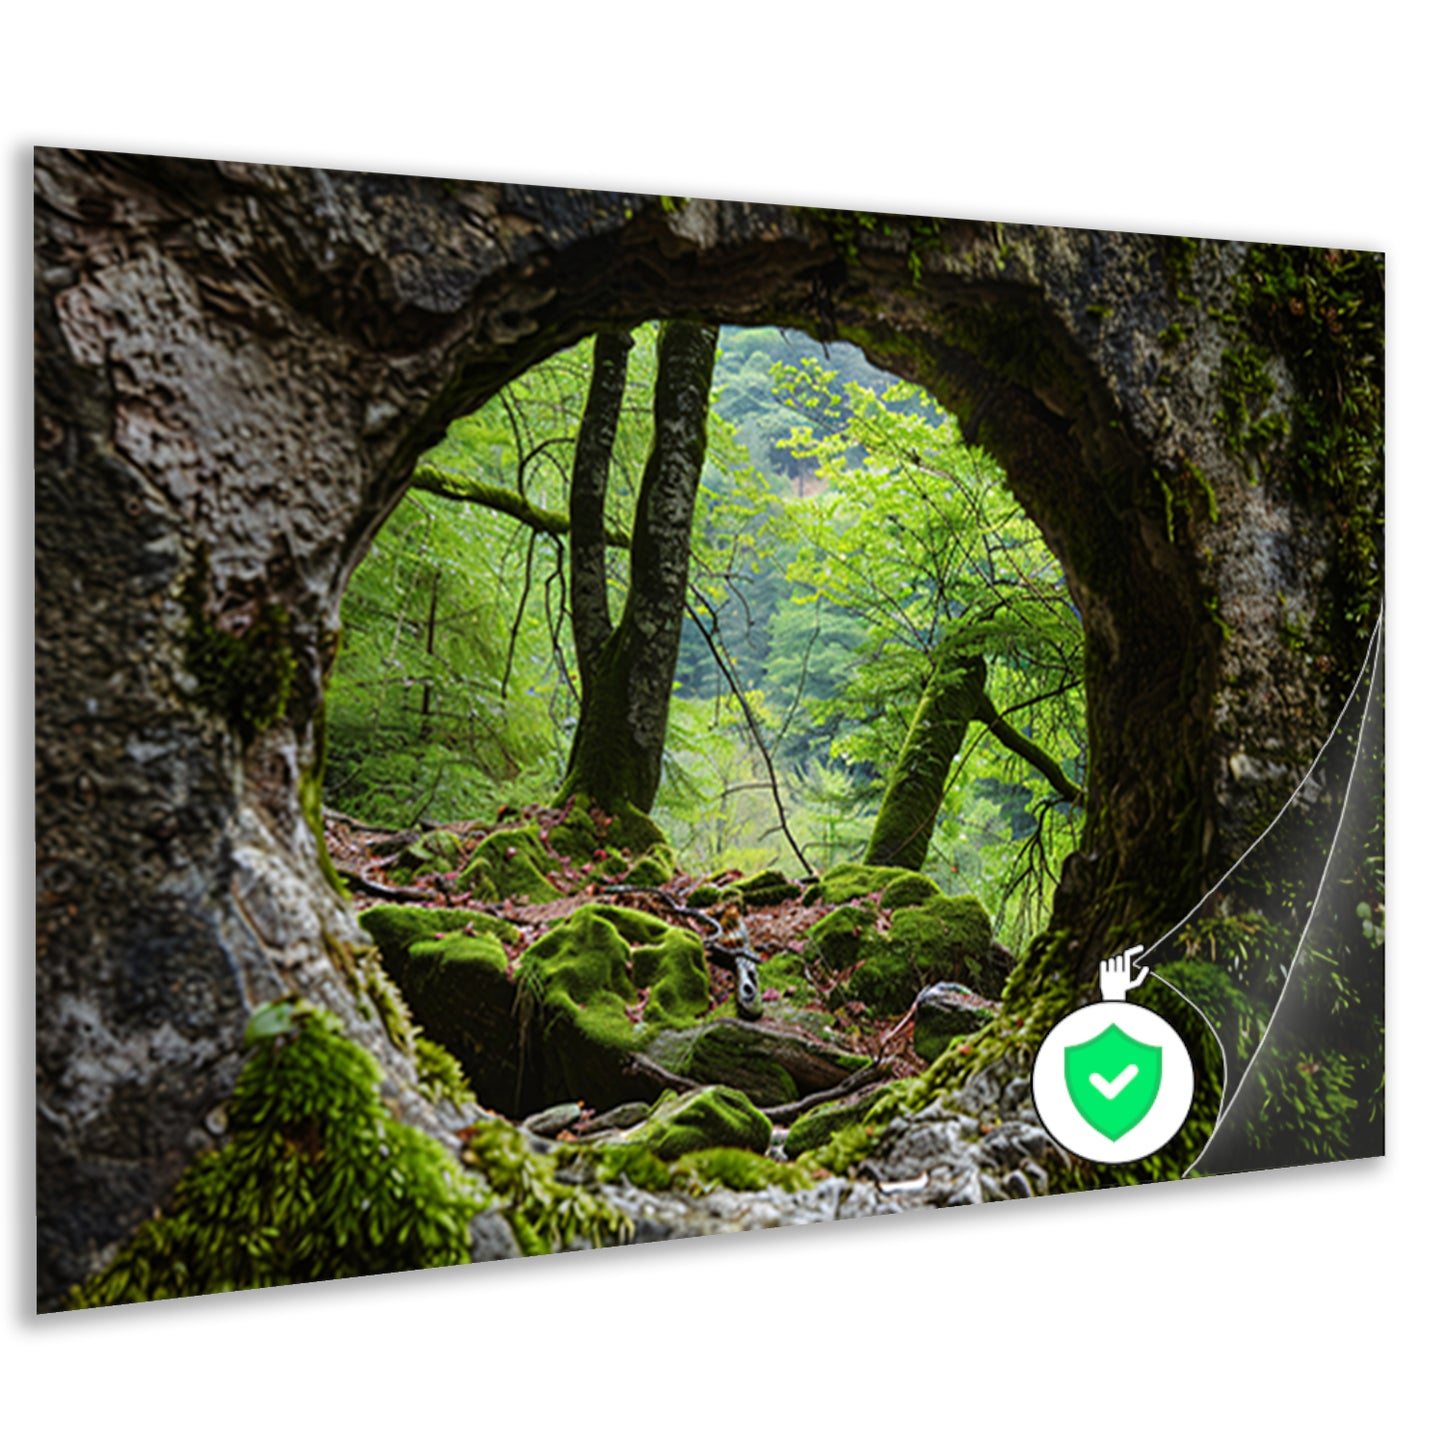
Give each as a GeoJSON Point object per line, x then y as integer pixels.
{"type": "Point", "coordinates": [765, 889]}
{"type": "Point", "coordinates": [945, 1012]}
{"type": "Point", "coordinates": [511, 863]}
{"type": "Point", "coordinates": [838, 937]}
{"type": "Point", "coordinates": [815, 1128]}
{"type": "Point", "coordinates": [848, 881]}
{"type": "Point", "coordinates": [653, 869]}
{"type": "Point", "coordinates": [909, 891]}
{"type": "Point", "coordinates": [584, 829]}
{"type": "Point", "coordinates": [439, 851]}
{"type": "Point", "coordinates": [596, 988]}
{"type": "Point", "coordinates": [944, 939]}
{"type": "Point", "coordinates": [394, 928]}
{"type": "Point", "coordinates": [452, 971]}
{"type": "Point", "coordinates": [704, 895]}
{"type": "Point", "coordinates": [772, 1065]}
{"type": "Point", "coordinates": [712, 1118]}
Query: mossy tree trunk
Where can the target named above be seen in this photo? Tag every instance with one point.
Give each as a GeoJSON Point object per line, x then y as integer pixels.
{"type": "Point", "coordinates": [951, 700]}
{"type": "Point", "coordinates": [627, 669]}
{"type": "Point", "coordinates": [953, 697]}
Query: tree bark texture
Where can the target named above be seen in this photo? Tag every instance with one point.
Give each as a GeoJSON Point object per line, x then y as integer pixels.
{"type": "Point", "coordinates": [627, 670]}
{"type": "Point", "coordinates": [591, 614]}
{"type": "Point", "coordinates": [237, 368]}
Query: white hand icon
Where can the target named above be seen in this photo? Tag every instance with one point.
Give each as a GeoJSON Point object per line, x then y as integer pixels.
{"type": "Point", "coordinates": [1114, 980]}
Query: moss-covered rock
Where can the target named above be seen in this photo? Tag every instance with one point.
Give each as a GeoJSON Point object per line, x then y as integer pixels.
{"type": "Point", "coordinates": [395, 927]}
{"type": "Point", "coordinates": [815, 1128]}
{"type": "Point", "coordinates": [439, 851]}
{"type": "Point", "coordinates": [511, 863]}
{"type": "Point", "coordinates": [946, 1011]}
{"type": "Point", "coordinates": [944, 939]}
{"type": "Point", "coordinates": [459, 989]}
{"type": "Point", "coordinates": [848, 881]}
{"type": "Point", "coordinates": [597, 987]}
{"type": "Point", "coordinates": [652, 870]}
{"type": "Point", "coordinates": [909, 891]}
{"type": "Point", "coordinates": [739, 1170]}
{"type": "Point", "coordinates": [771, 1065]}
{"type": "Point", "coordinates": [837, 938]}
{"type": "Point", "coordinates": [712, 1118]}
{"type": "Point", "coordinates": [765, 889]}
{"type": "Point", "coordinates": [312, 1153]}
{"type": "Point", "coordinates": [704, 895]}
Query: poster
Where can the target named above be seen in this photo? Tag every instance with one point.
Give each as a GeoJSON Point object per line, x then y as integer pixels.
{"type": "Point", "coordinates": [1085, 529]}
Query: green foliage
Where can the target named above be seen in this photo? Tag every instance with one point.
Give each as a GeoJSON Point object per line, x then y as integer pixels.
{"type": "Point", "coordinates": [439, 1075]}
{"type": "Point", "coordinates": [545, 1214]}
{"type": "Point", "coordinates": [316, 1181]}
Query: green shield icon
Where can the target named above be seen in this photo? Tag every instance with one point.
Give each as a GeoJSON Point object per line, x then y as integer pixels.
{"type": "Point", "coordinates": [1113, 1080]}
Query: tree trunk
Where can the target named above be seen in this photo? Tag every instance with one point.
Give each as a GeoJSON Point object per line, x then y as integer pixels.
{"type": "Point", "coordinates": [627, 671]}
{"type": "Point", "coordinates": [951, 700]}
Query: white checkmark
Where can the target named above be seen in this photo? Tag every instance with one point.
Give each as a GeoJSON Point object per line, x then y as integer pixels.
{"type": "Point", "coordinates": [1112, 1091]}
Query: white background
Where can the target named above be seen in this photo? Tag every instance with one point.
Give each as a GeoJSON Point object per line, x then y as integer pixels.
{"type": "Point", "coordinates": [1304, 1303]}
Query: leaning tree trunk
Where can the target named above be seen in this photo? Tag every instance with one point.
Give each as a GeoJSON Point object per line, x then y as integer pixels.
{"type": "Point", "coordinates": [952, 698]}
{"type": "Point", "coordinates": [627, 670]}
{"type": "Point", "coordinates": [237, 368]}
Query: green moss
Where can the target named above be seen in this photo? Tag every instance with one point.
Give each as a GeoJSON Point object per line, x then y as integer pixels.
{"type": "Point", "coordinates": [395, 928]}
{"type": "Point", "coordinates": [1178, 254]}
{"type": "Point", "coordinates": [837, 938]}
{"type": "Point", "coordinates": [649, 871]}
{"type": "Point", "coordinates": [704, 896]}
{"type": "Point", "coordinates": [945, 939]}
{"type": "Point", "coordinates": [730, 1051]}
{"type": "Point", "coordinates": [439, 1075]}
{"type": "Point", "coordinates": [715, 1117]}
{"type": "Point", "coordinates": [935, 1029]}
{"type": "Point", "coordinates": [738, 1170]}
{"type": "Point", "coordinates": [582, 1010]}
{"type": "Point", "coordinates": [765, 889]}
{"type": "Point", "coordinates": [909, 891]}
{"type": "Point", "coordinates": [544, 1213]}
{"type": "Point", "coordinates": [244, 677]}
{"type": "Point", "coordinates": [845, 1149]}
{"type": "Point", "coordinates": [674, 971]}
{"type": "Point", "coordinates": [436, 852]}
{"type": "Point", "coordinates": [848, 881]}
{"type": "Point", "coordinates": [1323, 310]}
{"type": "Point", "coordinates": [811, 1131]}
{"type": "Point", "coordinates": [459, 989]}
{"type": "Point", "coordinates": [316, 1181]}
{"type": "Point", "coordinates": [575, 838]}
{"type": "Point", "coordinates": [511, 863]}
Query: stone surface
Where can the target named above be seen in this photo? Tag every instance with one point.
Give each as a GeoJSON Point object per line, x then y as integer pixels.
{"type": "Point", "coordinates": [946, 1011]}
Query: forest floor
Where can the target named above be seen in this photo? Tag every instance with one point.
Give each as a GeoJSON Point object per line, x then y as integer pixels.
{"type": "Point", "coordinates": [375, 865]}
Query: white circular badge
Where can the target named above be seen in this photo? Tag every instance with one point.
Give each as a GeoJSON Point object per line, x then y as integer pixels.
{"type": "Point", "coordinates": [1113, 1082]}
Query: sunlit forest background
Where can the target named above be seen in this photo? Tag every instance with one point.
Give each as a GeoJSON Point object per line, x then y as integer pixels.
{"type": "Point", "coordinates": [843, 529]}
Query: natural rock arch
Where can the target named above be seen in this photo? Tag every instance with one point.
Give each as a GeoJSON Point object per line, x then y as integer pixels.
{"type": "Point", "coordinates": [236, 367]}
